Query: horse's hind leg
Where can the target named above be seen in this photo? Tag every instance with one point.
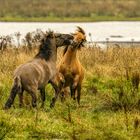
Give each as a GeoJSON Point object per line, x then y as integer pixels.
{"type": "Point", "coordinates": [42, 91]}
{"type": "Point", "coordinates": [73, 91]}
{"type": "Point", "coordinates": [78, 94]}
{"type": "Point", "coordinates": [21, 98]}
{"type": "Point", "coordinates": [15, 89]}
{"type": "Point", "coordinates": [11, 98]}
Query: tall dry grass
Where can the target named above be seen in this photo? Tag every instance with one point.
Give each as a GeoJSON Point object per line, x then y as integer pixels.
{"type": "Point", "coordinates": [112, 61]}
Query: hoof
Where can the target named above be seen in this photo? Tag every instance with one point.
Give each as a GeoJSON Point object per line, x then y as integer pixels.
{"type": "Point", "coordinates": [42, 105]}
{"type": "Point", "coordinates": [21, 105]}
{"type": "Point", "coordinates": [74, 98]}
{"type": "Point", "coordinates": [63, 99]}
{"type": "Point", "coordinates": [6, 107]}
{"type": "Point", "coordinates": [52, 103]}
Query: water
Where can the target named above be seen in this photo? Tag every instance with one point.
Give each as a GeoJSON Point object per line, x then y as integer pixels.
{"type": "Point", "coordinates": [100, 31]}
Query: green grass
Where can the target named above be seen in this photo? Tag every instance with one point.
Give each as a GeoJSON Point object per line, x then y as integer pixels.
{"type": "Point", "coordinates": [92, 120]}
{"type": "Point", "coordinates": [67, 19]}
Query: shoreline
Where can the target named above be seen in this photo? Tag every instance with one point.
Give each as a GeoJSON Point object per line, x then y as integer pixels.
{"type": "Point", "coordinates": [65, 19]}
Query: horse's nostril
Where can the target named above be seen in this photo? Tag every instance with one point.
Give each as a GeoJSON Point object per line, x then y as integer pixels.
{"type": "Point", "coordinates": [84, 40]}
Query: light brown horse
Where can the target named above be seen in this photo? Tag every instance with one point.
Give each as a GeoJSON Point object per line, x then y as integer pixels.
{"type": "Point", "coordinates": [70, 69]}
{"type": "Point", "coordinates": [35, 74]}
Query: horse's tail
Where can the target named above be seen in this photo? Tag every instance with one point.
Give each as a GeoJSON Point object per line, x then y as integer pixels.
{"type": "Point", "coordinates": [16, 88]}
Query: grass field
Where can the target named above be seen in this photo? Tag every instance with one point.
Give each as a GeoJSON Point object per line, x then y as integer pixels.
{"type": "Point", "coordinates": [110, 102]}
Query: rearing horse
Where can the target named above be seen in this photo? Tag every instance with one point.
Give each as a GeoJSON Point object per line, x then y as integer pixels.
{"type": "Point", "coordinates": [35, 74]}
{"type": "Point", "coordinates": [70, 69]}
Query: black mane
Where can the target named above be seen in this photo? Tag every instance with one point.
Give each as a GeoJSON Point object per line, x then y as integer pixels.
{"type": "Point", "coordinates": [45, 50]}
{"type": "Point", "coordinates": [65, 50]}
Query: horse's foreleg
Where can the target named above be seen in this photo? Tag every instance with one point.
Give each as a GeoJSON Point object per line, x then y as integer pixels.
{"type": "Point", "coordinates": [73, 86]}
{"type": "Point", "coordinates": [64, 93]}
{"type": "Point", "coordinates": [57, 89]}
{"type": "Point", "coordinates": [34, 99]}
{"type": "Point", "coordinates": [72, 91]}
{"type": "Point", "coordinates": [42, 91]}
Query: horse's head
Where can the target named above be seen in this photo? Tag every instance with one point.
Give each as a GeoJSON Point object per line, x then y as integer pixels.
{"type": "Point", "coordinates": [50, 41]}
{"type": "Point", "coordinates": [79, 37]}
{"type": "Point", "coordinates": [47, 46]}
{"type": "Point", "coordinates": [58, 38]}
{"type": "Point", "coordinates": [63, 39]}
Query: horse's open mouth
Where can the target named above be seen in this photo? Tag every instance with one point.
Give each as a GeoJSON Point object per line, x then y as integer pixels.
{"type": "Point", "coordinates": [82, 44]}
{"type": "Point", "coordinates": [79, 44]}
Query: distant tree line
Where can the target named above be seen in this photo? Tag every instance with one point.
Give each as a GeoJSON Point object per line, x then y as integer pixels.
{"type": "Point", "coordinates": [69, 8]}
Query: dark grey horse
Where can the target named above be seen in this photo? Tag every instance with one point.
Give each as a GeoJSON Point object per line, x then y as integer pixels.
{"type": "Point", "coordinates": [35, 74]}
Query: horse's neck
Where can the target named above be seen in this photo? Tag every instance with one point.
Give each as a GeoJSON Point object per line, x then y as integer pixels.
{"type": "Point", "coordinates": [70, 55]}
{"type": "Point", "coordinates": [54, 55]}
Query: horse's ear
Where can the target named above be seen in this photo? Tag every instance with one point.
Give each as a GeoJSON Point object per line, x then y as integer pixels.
{"type": "Point", "coordinates": [49, 34]}
{"type": "Point", "coordinates": [73, 34]}
{"type": "Point", "coordinates": [79, 29]}
{"type": "Point", "coordinates": [43, 40]}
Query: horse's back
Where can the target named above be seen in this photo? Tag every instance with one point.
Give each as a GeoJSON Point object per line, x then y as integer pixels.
{"type": "Point", "coordinates": [33, 73]}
